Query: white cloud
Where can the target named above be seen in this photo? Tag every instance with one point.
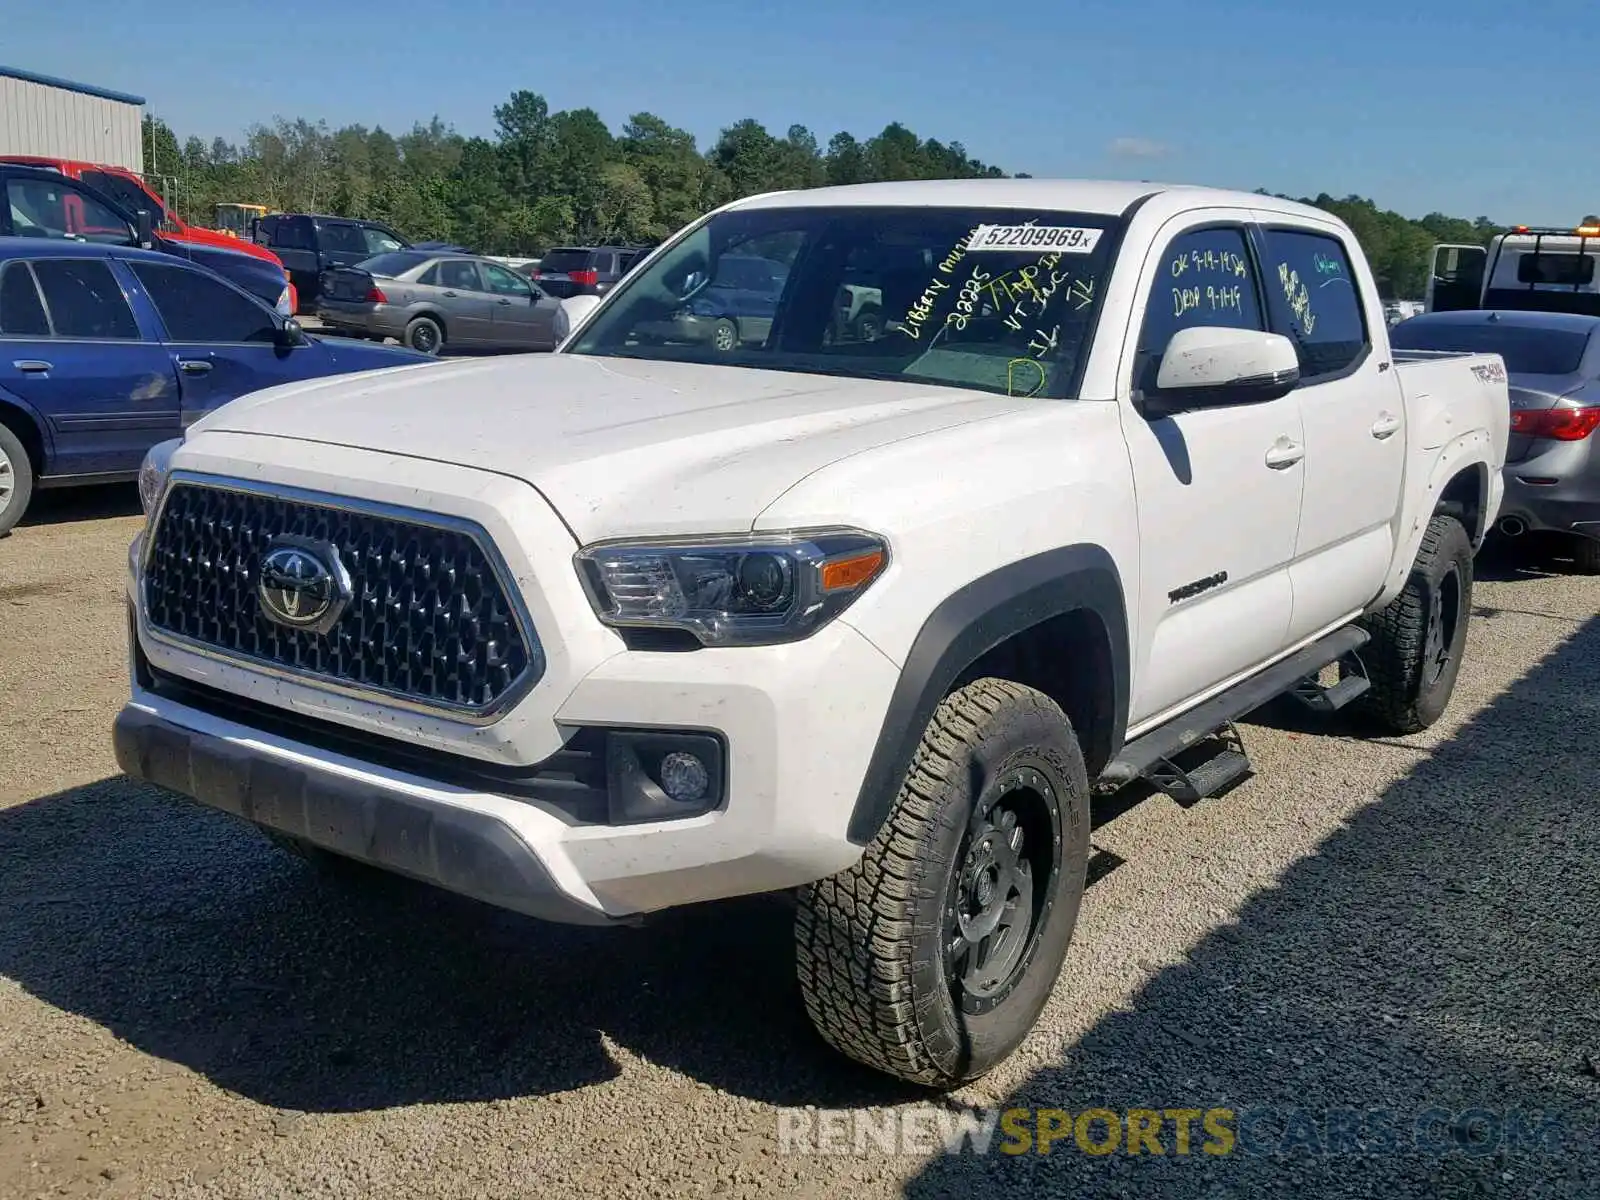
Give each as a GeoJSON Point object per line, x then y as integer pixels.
{"type": "Point", "coordinates": [1137, 147]}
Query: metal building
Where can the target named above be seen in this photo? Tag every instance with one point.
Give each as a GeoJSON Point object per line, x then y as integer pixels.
{"type": "Point", "coordinates": [61, 119]}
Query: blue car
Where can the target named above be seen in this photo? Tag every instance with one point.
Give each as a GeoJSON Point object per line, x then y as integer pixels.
{"type": "Point", "coordinates": [107, 350]}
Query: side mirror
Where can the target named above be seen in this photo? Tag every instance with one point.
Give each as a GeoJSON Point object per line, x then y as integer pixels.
{"type": "Point", "coordinates": [290, 333]}
{"type": "Point", "coordinates": [1209, 366]}
{"type": "Point", "coordinates": [145, 227]}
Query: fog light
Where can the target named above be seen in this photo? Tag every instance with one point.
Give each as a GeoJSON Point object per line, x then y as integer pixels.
{"type": "Point", "coordinates": [684, 777]}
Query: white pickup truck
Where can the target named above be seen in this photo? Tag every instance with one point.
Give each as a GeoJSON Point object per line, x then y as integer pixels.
{"type": "Point", "coordinates": [640, 624]}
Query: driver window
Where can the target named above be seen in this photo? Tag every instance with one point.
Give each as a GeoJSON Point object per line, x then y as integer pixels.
{"type": "Point", "coordinates": [56, 210]}
{"type": "Point", "coordinates": [503, 283]}
{"type": "Point", "coordinates": [1205, 278]}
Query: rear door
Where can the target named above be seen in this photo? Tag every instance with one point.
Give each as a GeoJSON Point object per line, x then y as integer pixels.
{"type": "Point", "coordinates": [342, 243]}
{"type": "Point", "coordinates": [72, 349]}
{"type": "Point", "coordinates": [524, 318]}
{"type": "Point", "coordinates": [220, 342]}
{"type": "Point", "coordinates": [467, 303]}
{"type": "Point", "coordinates": [1323, 298]}
{"type": "Point", "coordinates": [555, 271]}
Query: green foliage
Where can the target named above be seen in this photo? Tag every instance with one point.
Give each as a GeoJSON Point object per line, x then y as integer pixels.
{"type": "Point", "coordinates": [547, 178]}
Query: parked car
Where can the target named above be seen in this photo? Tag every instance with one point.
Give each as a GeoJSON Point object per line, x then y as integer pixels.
{"type": "Point", "coordinates": [309, 243]}
{"type": "Point", "coordinates": [1553, 460]}
{"type": "Point", "coordinates": [107, 350]}
{"type": "Point", "coordinates": [429, 299]}
{"type": "Point", "coordinates": [568, 271]}
{"type": "Point", "coordinates": [665, 624]}
{"type": "Point", "coordinates": [736, 307]}
{"type": "Point", "coordinates": [131, 193]}
{"type": "Point", "coordinates": [42, 203]}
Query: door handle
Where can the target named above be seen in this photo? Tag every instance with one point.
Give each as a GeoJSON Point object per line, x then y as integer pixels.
{"type": "Point", "coordinates": [452, 295]}
{"type": "Point", "coordinates": [194, 366]}
{"type": "Point", "coordinates": [505, 304]}
{"type": "Point", "coordinates": [1385, 426]}
{"type": "Point", "coordinates": [32, 366]}
{"type": "Point", "coordinates": [1285, 454]}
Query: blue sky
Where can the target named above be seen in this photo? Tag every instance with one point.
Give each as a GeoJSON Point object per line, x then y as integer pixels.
{"type": "Point", "coordinates": [1459, 106]}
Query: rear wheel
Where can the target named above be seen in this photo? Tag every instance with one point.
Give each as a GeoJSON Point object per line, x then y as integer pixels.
{"type": "Point", "coordinates": [933, 956]}
{"type": "Point", "coordinates": [425, 335]}
{"type": "Point", "coordinates": [16, 480]}
{"type": "Point", "coordinates": [1586, 555]}
{"type": "Point", "coordinates": [725, 336]}
{"type": "Point", "coordinates": [1419, 637]}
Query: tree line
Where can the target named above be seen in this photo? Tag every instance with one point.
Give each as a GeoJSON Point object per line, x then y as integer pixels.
{"type": "Point", "coordinates": [552, 178]}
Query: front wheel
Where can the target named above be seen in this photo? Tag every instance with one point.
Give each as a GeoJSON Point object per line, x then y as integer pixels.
{"type": "Point", "coordinates": [933, 956]}
{"type": "Point", "coordinates": [725, 336]}
{"type": "Point", "coordinates": [1418, 639]}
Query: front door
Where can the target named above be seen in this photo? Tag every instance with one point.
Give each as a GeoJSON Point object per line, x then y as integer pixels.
{"type": "Point", "coordinates": [1321, 296]}
{"type": "Point", "coordinates": [468, 305]}
{"type": "Point", "coordinates": [520, 320]}
{"type": "Point", "coordinates": [1218, 489]}
{"type": "Point", "coordinates": [71, 349]}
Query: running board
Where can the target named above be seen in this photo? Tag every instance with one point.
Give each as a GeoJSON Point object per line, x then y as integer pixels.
{"type": "Point", "coordinates": [1150, 755]}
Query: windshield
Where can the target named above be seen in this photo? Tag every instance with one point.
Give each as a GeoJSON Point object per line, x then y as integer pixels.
{"type": "Point", "coordinates": [1526, 349]}
{"type": "Point", "coordinates": [996, 300]}
{"type": "Point", "coordinates": [395, 263]}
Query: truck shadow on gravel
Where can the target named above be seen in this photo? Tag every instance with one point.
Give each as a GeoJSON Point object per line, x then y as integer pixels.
{"type": "Point", "coordinates": [187, 935]}
{"type": "Point", "coordinates": [1439, 951]}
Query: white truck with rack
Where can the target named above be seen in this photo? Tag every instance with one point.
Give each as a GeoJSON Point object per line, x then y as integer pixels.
{"type": "Point", "coordinates": [638, 624]}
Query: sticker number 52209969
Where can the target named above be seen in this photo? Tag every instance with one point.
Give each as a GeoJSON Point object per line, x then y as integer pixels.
{"type": "Point", "coordinates": [1061, 239]}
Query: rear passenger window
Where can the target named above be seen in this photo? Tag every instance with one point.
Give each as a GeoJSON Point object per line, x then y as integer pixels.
{"type": "Point", "coordinates": [1205, 280]}
{"type": "Point", "coordinates": [1315, 301]}
{"type": "Point", "coordinates": [343, 239]}
{"type": "Point", "coordinates": [84, 299]}
{"type": "Point", "coordinates": [21, 311]}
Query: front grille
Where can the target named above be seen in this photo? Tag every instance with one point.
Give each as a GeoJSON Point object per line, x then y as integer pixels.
{"type": "Point", "coordinates": [429, 621]}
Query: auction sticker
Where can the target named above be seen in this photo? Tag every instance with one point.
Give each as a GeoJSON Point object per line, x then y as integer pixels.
{"type": "Point", "coordinates": [1062, 239]}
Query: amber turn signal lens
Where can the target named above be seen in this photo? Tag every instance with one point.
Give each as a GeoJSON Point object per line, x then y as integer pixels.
{"type": "Point", "coordinates": [845, 573]}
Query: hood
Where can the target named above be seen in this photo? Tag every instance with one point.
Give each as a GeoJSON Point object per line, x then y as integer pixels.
{"type": "Point", "coordinates": [359, 354]}
{"type": "Point", "coordinates": [621, 448]}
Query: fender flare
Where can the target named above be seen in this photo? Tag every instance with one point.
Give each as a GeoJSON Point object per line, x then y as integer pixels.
{"type": "Point", "coordinates": [968, 624]}
{"type": "Point", "coordinates": [1470, 452]}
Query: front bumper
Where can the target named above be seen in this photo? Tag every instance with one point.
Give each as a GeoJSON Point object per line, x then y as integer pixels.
{"type": "Point", "coordinates": [409, 791]}
{"type": "Point", "coordinates": [466, 851]}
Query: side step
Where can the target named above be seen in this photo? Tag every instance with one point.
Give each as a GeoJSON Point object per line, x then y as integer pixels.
{"type": "Point", "coordinates": [1227, 765]}
{"type": "Point", "coordinates": [1331, 698]}
{"type": "Point", "coordinates": [1151, 755]}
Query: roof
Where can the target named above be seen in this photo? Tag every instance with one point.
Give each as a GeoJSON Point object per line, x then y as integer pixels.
{"type": "Point", "coordinates": [1102, 197]}
{"type": "Point", "coordinates": [32, 247]}
{"type": "Point", "coordinates": [67, 85]}
{"type": "Point", "coordinates": [1517, 318]}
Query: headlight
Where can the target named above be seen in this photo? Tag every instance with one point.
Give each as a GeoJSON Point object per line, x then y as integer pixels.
{"type": "Point", "coordinates": [746, 590]}
{"type": "Point", "coordinates": [153, 473]}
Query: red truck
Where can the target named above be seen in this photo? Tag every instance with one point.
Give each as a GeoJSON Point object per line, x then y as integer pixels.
{"type": "Point", "coordinates": [130, 191]}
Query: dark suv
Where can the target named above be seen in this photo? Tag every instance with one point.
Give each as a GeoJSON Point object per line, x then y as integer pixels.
{"type": "Point", "coordinates": [585, 270]}
{"type": "Point", "coordinates": [310, 244]}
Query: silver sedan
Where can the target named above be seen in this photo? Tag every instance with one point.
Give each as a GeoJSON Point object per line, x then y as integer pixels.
{"type": "Point", "coordinates": [431, 299]}
{"type": "Point", "coordinates": [1552, 472]}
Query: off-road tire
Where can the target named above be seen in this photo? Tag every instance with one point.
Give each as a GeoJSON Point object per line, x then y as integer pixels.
{"type": "Point", "coordinates": [425, 335]}
{"type": "Point", "coordinates": [1406, 695]}
{"type": "Point", "coordinates": [871, 942]}
{"type": "Point", "coordinates": [17, 468]}
{"type": "Point", "coordinates": [1585, 554]}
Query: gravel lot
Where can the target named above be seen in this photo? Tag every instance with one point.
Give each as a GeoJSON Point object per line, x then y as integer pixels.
{"type": "Point", "coordinates": [186, 1012]}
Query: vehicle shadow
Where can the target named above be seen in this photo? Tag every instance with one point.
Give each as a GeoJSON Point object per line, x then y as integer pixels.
{"type": "Point", "coordinates": [1438, 951]}
{"type": "Point", "coordinates": [186, 934]}
{"type": "Point", "coordinates": [58, 506]}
